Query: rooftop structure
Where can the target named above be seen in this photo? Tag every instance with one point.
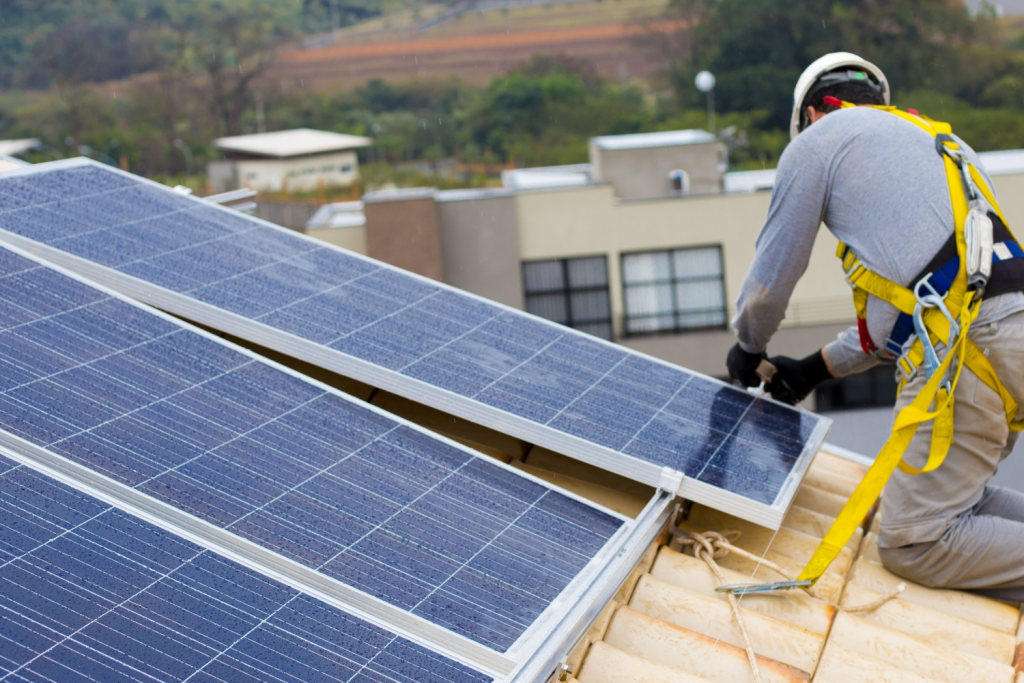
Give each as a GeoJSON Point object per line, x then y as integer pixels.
{"type": "Point", "coordinates": [668, 138]}
{"type": "Point", "coordinates": [285, 144]}
{"type": "Point", "coordinates": [658, 165]}
{"type": "Point", "coordinates": [546, 177]}
{"type": "Point", "coordinates": [12, 147]}
{"type": "Point", "coordinates": [300, 160]}
{"type": "Point", "coordinates": [8, 148]}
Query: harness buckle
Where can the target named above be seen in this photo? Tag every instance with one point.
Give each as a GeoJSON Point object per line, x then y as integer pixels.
{"type": "Point", "coordinates": [855, 269]}
{"type": "Point", "coordinates": [902, 363]}
{"type": "Point", "coordinates": [891, 348]}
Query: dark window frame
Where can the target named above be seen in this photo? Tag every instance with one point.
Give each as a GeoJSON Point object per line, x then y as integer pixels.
{"type": "Point", "coordinates": [567, 290]}
{"type": "Point", "coordinates": [672, 282]}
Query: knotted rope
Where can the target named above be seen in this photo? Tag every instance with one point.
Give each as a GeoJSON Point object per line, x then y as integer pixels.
{"type": "Point", "coordinates": [712, 545]}
{"type": "Point", "coordinates": [709, 546]}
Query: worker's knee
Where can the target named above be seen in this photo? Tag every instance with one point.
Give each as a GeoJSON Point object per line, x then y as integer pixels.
{"type": "Point", "coordinates": [911, 563]}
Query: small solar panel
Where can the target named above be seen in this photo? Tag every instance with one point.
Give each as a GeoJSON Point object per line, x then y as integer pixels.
{"type": "Point", "coordinates": [490, 364]}
{"type": "Point", "coordinates": [88, 592]}
{"type": "Point", "coordinates": [302, 472]}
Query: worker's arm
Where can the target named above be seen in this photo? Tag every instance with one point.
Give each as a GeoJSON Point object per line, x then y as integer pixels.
{"type": "Point", "coordinates": [845, 355]}
{"type": "Point", "coordinates": [783, 248]}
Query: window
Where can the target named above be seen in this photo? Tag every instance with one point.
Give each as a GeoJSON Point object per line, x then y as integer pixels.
{"type": "Point", "coordinates": [873, 388]}
{"type": "Point", "coordinates": [673, 290]}
{"type": "Point", "coordinates": [572, 292]}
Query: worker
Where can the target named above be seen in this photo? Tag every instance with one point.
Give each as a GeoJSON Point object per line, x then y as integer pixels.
{"type": "Point", "coordinates": [880, 184]}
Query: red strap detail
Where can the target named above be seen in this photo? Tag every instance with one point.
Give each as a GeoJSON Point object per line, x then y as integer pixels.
{"type": "Point", "coordinates": [830, 101]}
{"type": "Point", "coordinates": [866, 344]}
{"type": "Point", "coordinates": [912, 112]}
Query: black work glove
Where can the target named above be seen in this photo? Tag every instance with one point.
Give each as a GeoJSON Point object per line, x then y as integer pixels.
{"type": "Point", "coordinates": [743, 366]}
{"type": "Point", "coordinates": [794, 379]}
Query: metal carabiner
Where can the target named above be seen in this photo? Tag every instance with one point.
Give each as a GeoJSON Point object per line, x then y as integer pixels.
{"type": "Point", "coordinates": [959, 158]}
{"type": "Point", "coordinates": [931, 300]}
{"type": "Point", "coordinates": [931, 358]}
{"type": "Point", "coordinates": [935, 300]}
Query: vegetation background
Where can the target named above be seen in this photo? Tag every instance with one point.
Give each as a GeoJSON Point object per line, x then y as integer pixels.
{"type": "Point", "coordinates": [150, 83]}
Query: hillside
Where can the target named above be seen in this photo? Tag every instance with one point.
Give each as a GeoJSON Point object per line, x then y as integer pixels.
{"type": "Point", "coordinates": [438, 41]}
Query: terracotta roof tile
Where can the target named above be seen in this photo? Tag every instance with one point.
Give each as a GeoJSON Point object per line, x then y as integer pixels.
{"type": "Point", "coordinates": [668, 625]}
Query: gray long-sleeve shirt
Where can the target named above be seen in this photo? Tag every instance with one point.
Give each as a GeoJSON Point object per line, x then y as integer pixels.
{"type": "Point", "coordinates": [879, 185]}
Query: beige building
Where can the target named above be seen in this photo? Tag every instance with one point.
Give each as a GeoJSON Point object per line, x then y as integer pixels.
{"type": "Point", "coordinates": [658, 274]}
{"type": "Point", "coordinates": [298, 160]}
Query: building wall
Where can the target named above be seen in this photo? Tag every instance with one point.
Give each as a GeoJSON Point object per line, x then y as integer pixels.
{"type": "Point", "coordinates": [1010, 193]}
{"type": "Point", "coordinates": [588, 221]}
{"type": "Point", "coordinates": [480, 247]}
{"type": "Point", "coordinates": [643, 173]}
{"type": "Point", "coordinates": [221, 176]}
{"type": "Point", "coordinates": [301, 174]}
{"type": "Point", "coordinates": [405, 233]}
{"type": "Point", "coordinates": [352, 238]}
{"type": "Point", "coordinates": [289, 214]}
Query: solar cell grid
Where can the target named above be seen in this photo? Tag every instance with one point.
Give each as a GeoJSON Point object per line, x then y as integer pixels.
{"type": "Point", "coordinates": [560, 381]}
{"type": "Point", "coordinates": [338, 487]}
{"type": "Point", "coordinates": [88, 592]}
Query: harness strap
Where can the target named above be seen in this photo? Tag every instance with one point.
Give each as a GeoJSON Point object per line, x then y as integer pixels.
{"type": "Point", "coordinates": [941, 281]}
{"type": "Point", "coordinates": [866, 493]}
{"type": "Point", "coordinates": [938, 390]}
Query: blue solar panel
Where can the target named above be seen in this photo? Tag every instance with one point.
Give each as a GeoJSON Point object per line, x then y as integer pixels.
{"type": "Point", "coordinates": [561, 381]}
{"type": "Point", "coordinates": [88, 592]}
{"type": "Point", "coordinates": [428, 527]}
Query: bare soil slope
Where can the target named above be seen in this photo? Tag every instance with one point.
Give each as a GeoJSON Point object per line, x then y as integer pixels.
{"type": "Point", "coordinates": [476, 46]}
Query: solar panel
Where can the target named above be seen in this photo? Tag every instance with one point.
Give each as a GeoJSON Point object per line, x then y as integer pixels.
{"type": "Point", "coordinates": [377, 513]}
{"type": "Point", "coordinates": [487, 363]}
{"type": "Point", "coordinates": [88, 592]}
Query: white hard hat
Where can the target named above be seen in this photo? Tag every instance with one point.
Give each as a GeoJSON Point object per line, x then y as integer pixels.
{"type": "Point", "coordinates": [834, 61]}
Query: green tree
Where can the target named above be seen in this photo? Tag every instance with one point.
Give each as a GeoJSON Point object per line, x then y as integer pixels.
{"type": "Point", "coordinates": [234, 43]}
{"type": "Point", "coordinates": [758, 48]}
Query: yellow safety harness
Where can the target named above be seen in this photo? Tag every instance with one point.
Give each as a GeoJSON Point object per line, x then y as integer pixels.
{"type": "Point", "coordinates": [947, 321]}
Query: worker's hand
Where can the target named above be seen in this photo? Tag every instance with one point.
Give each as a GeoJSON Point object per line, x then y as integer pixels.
{"type": "Point", "coordinates": [794, 379]}
{"type": "Point", "coordinates": [743, 366]}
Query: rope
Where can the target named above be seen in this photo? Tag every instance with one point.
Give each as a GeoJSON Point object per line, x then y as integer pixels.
{"type": "Point", "coordinates": [711, 545]}
{"type": "Point", "coordinates": [879, 602]}
{"type": "Point", "coordinates": [707, 547]}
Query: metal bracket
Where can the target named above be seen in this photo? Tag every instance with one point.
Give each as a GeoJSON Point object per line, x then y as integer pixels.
{"type": "Point", "coordinates": [744, 588]}
{"type": "Point", "coordinates": [671, 480]}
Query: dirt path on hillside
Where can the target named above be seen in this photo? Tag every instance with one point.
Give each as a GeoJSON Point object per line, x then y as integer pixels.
{"type": "Point", "coordinates": [486, 41]}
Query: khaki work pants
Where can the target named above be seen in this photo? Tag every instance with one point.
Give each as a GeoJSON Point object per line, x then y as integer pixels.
{"type": "Point", "coordinates": [949, 528]}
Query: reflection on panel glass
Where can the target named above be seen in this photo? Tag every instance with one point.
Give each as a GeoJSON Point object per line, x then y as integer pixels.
{"type": "Point", "coordinates": [673, 290]}
{"type": "Point", "coordinates": [573, 292]}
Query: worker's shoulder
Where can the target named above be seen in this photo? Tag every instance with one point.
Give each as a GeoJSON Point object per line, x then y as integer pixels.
{"type": "Point", "coordinates": [865, 124]}
{"type": "Point", "coordinates": [856, 136]}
